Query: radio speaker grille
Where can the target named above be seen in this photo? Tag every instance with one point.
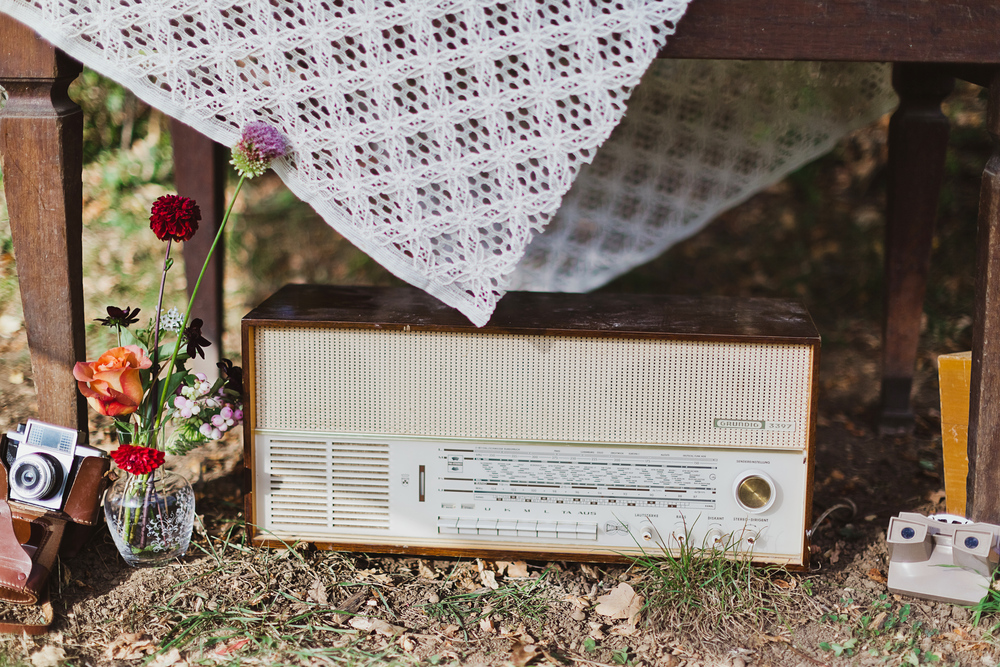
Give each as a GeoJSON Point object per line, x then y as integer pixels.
{"type": "Point", "coordinates": [527, 387]}
{"type": "Point", "coordinates": [325, 484]}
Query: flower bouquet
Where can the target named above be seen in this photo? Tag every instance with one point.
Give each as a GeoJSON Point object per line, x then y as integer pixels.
{"type": "Point", "coordinates": [158, 406]}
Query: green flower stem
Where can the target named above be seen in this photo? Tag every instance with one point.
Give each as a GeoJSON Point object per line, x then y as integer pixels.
{"type": "Point", "coordinates": [194, 292]}
{"type": "Point", "coordinates": [129, 523]}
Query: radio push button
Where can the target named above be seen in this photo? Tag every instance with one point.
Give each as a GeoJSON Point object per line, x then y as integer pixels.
{"type": "Point", "coordinates": [447, 525]}
{"type": "Point", "coordinates": [547, 529]}
{"type": "Point", "coordinates": [586, 531]}
{"type": "Point", "coordinates": [566, 529]}
{"type": "Point", "coordinates": [507, 527]}
{"type": "Point", "coordinates": [468, 527]}
{"type": "Point", "coordinates": [526, 529]}
{"type": "Point", "coordinates": [487, 526]}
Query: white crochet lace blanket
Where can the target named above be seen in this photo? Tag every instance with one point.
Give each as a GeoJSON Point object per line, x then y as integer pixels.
{"type": "Point", "coordinates": [440, 136]}
{"type": "Point", "coordinates": [699, 137]}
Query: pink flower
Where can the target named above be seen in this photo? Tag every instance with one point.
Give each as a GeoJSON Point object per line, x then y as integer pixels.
{"type": "Point", "coordinates": [258, 146]}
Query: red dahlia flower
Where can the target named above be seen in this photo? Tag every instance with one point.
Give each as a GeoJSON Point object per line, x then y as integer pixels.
{"type": "Point", "coordinates": [137, 460]}
{"type": "Point", "coordinates": [174, 217]}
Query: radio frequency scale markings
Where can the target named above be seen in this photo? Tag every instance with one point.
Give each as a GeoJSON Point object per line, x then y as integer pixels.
{"type": "Point", "coordinates": [516, 475]}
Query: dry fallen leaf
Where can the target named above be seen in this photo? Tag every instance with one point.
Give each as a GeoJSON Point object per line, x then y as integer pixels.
{"type": "Point", "coordinates": [522, 654]}
{"type": "Point", "coordinates": [232, 647]}
{"type": "Point", "coordinates": [368, 624]}
{"type": "Point", "coordinates": [317, 592]}
{"type": "Point", "coordinates": [621, 602]}
{"type": "Point", "coordinates": [466, 581]}
{"type": "Point", "coordinates": [517, 569]}
{"type": "Point", "coordinates": [171, 658]}
{"type": "Point", "coordinates": [936, 496]}
{"type": "Point", "coordinates": [624, 629]}
{"type": "Point", "coordinates": [406, 643]}
{"type": "Point", "coordinates": [486, 624]}
{"type": "Point", "coordinates": [130, 646]}
{"type": "Point", "coordinates": [489, 579]}
{"type": "Point", "coordinates": [785, 584]}
{"type": "Point", "coordinates": [48, 656]}
{"type": "Point", "coordinates": [425, 570]}
{"type": "Point", "coordinates": [876, 575]}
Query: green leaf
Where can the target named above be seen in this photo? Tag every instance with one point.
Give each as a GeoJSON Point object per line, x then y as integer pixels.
{"type": "Point", "coordinates": [589, 645]}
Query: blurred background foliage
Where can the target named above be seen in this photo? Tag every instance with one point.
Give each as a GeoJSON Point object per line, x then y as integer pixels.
{"type": "Point", "coordinates": [816, 236]}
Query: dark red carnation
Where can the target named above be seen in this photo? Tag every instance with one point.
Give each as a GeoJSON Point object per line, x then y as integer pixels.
{"type": "Point", "coordinates": [174, 217]}
{"type": "Point", "coordinates": [137, 460]}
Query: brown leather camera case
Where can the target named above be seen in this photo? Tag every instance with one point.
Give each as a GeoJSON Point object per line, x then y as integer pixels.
{"type": "Point", "coordinates": [31, 537]}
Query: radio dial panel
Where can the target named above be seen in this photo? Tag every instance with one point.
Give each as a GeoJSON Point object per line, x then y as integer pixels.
{"type": "Point", "coordinates": [533, 497]}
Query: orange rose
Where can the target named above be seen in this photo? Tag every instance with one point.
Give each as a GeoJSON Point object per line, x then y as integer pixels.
{"type": "Point", "coordinates": [111, 384]}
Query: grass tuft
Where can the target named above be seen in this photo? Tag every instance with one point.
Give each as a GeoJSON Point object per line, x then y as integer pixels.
{"type": "Point", "coordinates": [714, 592]}
{"type": "Point", "coordinates": [529, 600]}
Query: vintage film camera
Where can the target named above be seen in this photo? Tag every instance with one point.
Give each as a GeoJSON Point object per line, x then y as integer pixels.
{"type": "Point", "coordinates": [941, 557]}
{"type": "Point", "coordinates": [50, 495]}
{"type": "Point", "coordinates": [41, 461]}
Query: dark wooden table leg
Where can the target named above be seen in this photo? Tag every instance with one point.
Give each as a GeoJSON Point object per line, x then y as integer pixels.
{"type": "Point", "coordinates": [200, 170]}
{"type": "Point", "coordinates": [983, 485]}
{"type": "Point", "coordinates": [41, 147]}
{"type": "Point", "coordinates": [918, 140]}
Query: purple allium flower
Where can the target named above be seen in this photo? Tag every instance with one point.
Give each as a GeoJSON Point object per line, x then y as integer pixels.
{"type": "Point", "coordinates": [259, 144]}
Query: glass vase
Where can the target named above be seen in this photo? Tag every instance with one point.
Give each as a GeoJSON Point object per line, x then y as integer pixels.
{"type": "Point", "coordinates": [150, 516]}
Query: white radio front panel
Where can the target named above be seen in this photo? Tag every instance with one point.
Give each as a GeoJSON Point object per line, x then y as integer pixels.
{"type": "Point", "coordinates": [547, 497]}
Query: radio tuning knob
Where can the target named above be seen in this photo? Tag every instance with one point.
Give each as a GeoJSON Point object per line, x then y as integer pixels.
{"type": "Point", "coordinates": [754, 491]}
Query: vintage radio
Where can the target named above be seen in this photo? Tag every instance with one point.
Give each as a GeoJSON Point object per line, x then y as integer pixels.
{"type": "Point", "coordinates": [589, 427]}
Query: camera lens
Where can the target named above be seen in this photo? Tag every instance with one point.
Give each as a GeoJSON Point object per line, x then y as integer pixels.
{"type": "Point", "coordinates": [35, 476]}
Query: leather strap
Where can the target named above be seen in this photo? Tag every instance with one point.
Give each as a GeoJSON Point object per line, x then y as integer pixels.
{"type": "Point", "coordinates": [32, 629]}
{"type": "Point", "coordinates": [83, 500]}
{"type": "Point", "coordinates": [15, 563]}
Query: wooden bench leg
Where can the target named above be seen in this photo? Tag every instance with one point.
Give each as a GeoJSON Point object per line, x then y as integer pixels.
{"type": "Point", "coordinates": [918, 140]}
{"type": "Point", "coordinates": [983, 486]}
{"type": "Point", "coordinates": [41, 144]}
{"type": "Point", "coordinates": [200, 169]}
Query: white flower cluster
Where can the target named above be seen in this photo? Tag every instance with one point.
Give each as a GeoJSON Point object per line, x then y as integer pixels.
{"type": "Point", "coordinates": [171, 320]}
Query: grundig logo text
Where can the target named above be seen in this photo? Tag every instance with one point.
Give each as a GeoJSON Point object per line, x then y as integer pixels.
{"type": "Point", "coordinates": [754, 424]}
{"type": "Point", "coordinates": [738, 423]}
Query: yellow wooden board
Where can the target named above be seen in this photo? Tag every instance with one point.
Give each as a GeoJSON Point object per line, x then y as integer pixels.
{"type": "Point", "coordinates": [954, 371]}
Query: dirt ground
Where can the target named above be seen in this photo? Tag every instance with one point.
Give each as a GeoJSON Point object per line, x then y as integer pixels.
{"type": "Point", "coordinates": [229, 603]}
